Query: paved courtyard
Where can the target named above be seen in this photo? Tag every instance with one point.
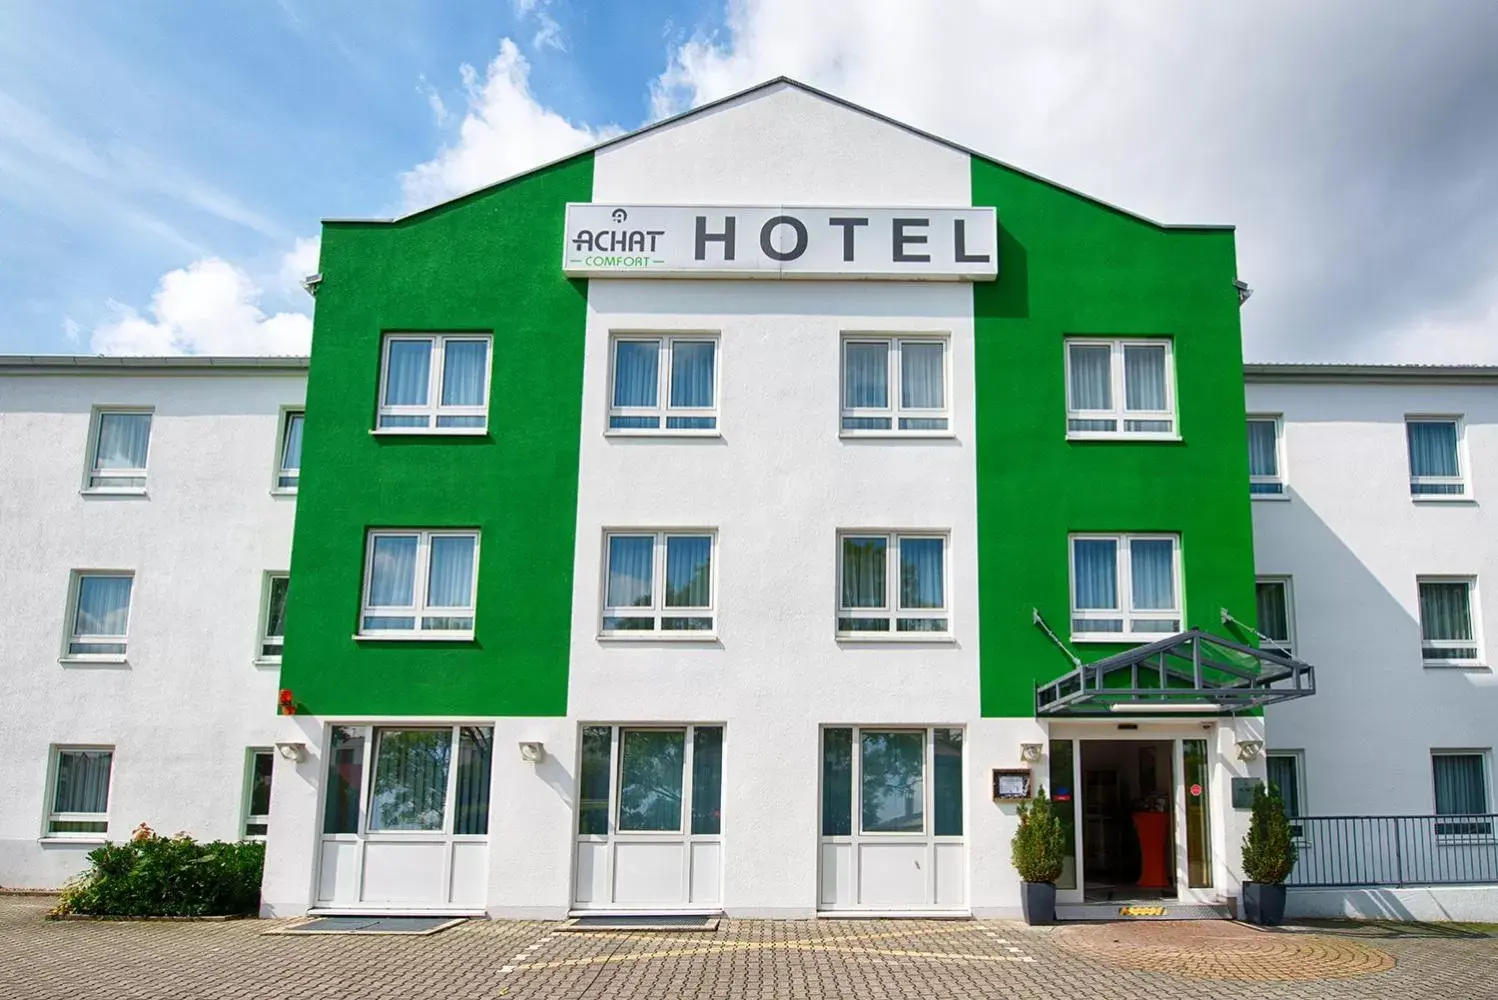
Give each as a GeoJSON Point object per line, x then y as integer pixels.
{"type": "Point", "coordinates": [864, 959]}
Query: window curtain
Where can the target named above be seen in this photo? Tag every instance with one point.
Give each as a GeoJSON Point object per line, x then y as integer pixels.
{"type": "Point", "coordinates": [450, 572]}
{"type": "Point", "coordinates": [650, 774]}
{"type": "Point", "coordinates": [631, 559]}
{"type": "Point", "coordinates": [593, 782]}
{"type": "Point", "coordinates": [275, 613]}
{"type": "Point", "coordinates": [707, 780]}
{"type": "Point", "coordinates": [1091, 377]}
{"type": "Point", "coordinates": [922, 374]}
{"type": "Point", "coordinates": [863, 572]}
{"type": "Point", "coordinates": [1144, 377]}
{"type": "Point", "coordinates": [410, 779]}
{"type": "Point", "coordinates": [103, 605]}
{"type": "Point", "coordinates": [866, 376]}
{"type": "Point", "coordinates": [392, 578]}
{"type": "Point", "coordinates": [894, 782]}
{"type": "Point", "coordinates": [475, 759]}
{"type": "Point", "coordinates": [1283, 775]}
{"type": "Point", "coordinates": [1095, 573]}
{"type": "Point", "coordinates": [262, 767]}
{"type": "Point", "coordinates": [636, 372]}
{"type": "Point", "coordinates": [1274, 618]}
{"type": "Point", "coordinates": [921, 577]}
{"type": "Point", "coordinates": [464, 365]}
{"type": "Point", "coordinates": [408, 372]}
{"type": "Point", "coordinates": [345, 783]}
{"type": "Point", "coordinates": [1152, 573]}
{"type": "Point", "coordinates": [946, 781]}
{"type": "Point", "coordinates": [837, 782]}
{"type": "Point", "coordinates": [123, 439]}
{"type": "Point", "coordinates": [1461, 785]}
{"type": "Point", "coordinates": [1433, 448]}
{"type": "Point", "coordinates": [1445, 611]}
{"type": "Point", "coordinates": [688, 571]}
{"type": "Point", "coordinates": [692, 373]}
{"type": "Point", "coordinates": [291, 448]}
{"type": "Point", "coordinates": [82, 781]}
{"type": "Point", "coordinates": [1263, 458]}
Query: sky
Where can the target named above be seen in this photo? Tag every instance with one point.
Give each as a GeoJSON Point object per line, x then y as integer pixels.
{"type": "Point", "coordinates": [164, 166]}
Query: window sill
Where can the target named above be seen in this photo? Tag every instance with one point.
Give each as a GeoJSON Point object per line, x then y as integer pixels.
{"type": "Point", "coordinates": [1124, 638]}
{"type": "Point", "coordinates": [703, 638]}
{"type": "Point", "coordinates": [268, 661]}
{"type": "Point", "coordinates": [672, 432]}
{"type": "Point", "coordinates": [82, 839]}
{"type": "Point", "coordinates": [413, 637]}
{"type": "Point", "coordinates": [280, 492]}
{"type": "Point", "coordinates": [118, 491]}
{"type": "Point", "coordinates": [1465, 840]}
{"type": "Point", "coordinates": [1269, 497]}
{"type": "Point", "coordinates": [897, 638]}
{"type": "Point", "coordinates": [1456, 665]}
{"type": "Point", "coordinates": [429, 431]}
{"type": "Point", "coordinates": [1439, 498]}
{"type": "Point", "coordinates": [1105, 436]}
{"type": "Point", "coordinates": [94, 661]}
{"type": "Point", "coordinates": [894, 435]}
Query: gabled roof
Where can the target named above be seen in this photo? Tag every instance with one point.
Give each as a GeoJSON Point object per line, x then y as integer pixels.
{"type": "Point", "coordinates": [765, 87]}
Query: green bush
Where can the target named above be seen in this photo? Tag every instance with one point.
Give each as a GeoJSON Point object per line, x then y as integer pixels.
{"type": "Point", "coordinates": [1269, 851]}
{"type": "Point", "coordinates": [1039, 845]}
{"type": "Point", "coordinates": [154, 876]}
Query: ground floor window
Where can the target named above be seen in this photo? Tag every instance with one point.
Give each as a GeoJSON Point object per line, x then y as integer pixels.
{"type": "Point", "coordinates": [80, 790]}
{"type": "Point", "coordinates": [1461, 789]}
{"type": "Point", "coordinates": [410, 790]}
{"type": "Point", "coordinates": [260, 764]}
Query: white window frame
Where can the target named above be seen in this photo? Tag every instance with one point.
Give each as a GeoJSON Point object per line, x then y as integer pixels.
{"type": "Point", "coordinates": [891, 611]}
{"type": "Point", "coordinates": [419, 609]}
{"type": "Point", "coordinates": [251, 818]}
{"type": "Point", "coordinates": [282, 470]}
{"type": "Point", "coordinates": [1124, 588]}
{"type": "Point", "coordinates": [663, 411]}
{"type": "Point", "coordinates": [658, 610]}
{"type": "Point", "coordinates": [1279, 479]}
{"type": "Point", "coordinates": [894, 371]}
{"type": "Point", "coordinates": [1479, 835]}
{"type": "Point", "coordinates": [51, 814]}
{"type": "Point", "coordinates": [262, 656]}
{"type": "Point", "coordinates": [1289, 589]}
{"type": "Point", "coordinates": [433, 409]}
{"type": "Point", "coordinates": [1462, 462]}
{"type": "Point", "coordinates": [70, 637]}
{"type": "Point", "coordinates": [91, 471]}
{"type": "Point", "coordinates": [1118, 413]}
{"type": "Point", "coordinates": [1474, 621]}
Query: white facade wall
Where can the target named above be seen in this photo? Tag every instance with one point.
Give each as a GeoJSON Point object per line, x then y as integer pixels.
{"type": "Point", "coordinates": [190, 700]}
{"type": "Point", "coordinates": [1353, 542]}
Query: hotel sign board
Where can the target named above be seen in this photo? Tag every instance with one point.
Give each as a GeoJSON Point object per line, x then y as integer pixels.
{"type": "Point", "coordinates": [717, 241]}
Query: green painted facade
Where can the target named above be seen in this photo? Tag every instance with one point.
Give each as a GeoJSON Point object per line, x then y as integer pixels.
{"type": "Point", "coordinates": [485, 263]}
{"type": "Point", "coordinates": [1069, 266]}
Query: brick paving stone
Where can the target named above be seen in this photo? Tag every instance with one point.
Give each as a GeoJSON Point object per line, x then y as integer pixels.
{"type": "Point", "coordinates": [749, 959]}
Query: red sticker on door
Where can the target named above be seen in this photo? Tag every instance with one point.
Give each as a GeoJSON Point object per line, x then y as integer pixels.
{"type": "Point", "coordinates": [1196, 790]}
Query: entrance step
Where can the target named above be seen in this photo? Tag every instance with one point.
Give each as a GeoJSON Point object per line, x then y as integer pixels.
{"type": "Point", "coordinates": [1142, 911]}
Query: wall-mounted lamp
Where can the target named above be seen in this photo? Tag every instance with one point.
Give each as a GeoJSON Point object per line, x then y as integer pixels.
{"type": "Point", "coordinates": [294, 752]}
{"type": "Point", "coordinates": [532, 752]}
{"type": "Point", "coordinates": [1029, 752]}
{"type": "Point", "coordinates": [1249, 749]}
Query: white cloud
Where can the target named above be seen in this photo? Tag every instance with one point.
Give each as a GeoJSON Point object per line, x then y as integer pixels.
{"type": "Point", "coordinates": [548, 30]}
{"type": "Point", "coordinates": [299, 262]}
{"type": "Point", "coordinates": [209, 307]}
{"type": "Point", "coordinates": [504, 131]}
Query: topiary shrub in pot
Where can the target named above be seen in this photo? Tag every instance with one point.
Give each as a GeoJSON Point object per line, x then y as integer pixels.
{"type": "Point", "coordinates": [1269, 855]}
{"type": "Point", "coordinates": [1039, 851]}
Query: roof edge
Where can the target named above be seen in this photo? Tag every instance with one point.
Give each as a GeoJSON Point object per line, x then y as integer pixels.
{"type": "Point", "coordinates": [817, 92]}
{"type": "Point", "coordinates": [52, 364]}
{"type": "Point", "coordinates": [1388, 373]}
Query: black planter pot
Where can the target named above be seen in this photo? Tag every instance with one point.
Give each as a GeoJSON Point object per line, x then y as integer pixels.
{"type": "Point", "coordinates": [1038, 900]}
{"type": "Point", "coordinates": [1264, 903]}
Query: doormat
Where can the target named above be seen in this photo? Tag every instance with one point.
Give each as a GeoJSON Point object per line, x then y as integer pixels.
{"type": "Point", "coordinates": [411, 926]}
{"type": "Point", "coordinates": [679, 922]}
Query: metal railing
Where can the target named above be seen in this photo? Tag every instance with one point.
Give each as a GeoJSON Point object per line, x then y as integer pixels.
{"type": "Point", "coordinates": [1395, 850]}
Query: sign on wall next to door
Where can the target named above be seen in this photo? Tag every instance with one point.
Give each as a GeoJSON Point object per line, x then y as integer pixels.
{"type": "Point", "coordinates": [701, 241]}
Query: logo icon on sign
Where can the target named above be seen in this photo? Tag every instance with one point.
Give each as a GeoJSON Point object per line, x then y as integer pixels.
{"type": "Point", "coordinates": [1196, 790]}
{"type": "Point", "coordinates": [619, 215]}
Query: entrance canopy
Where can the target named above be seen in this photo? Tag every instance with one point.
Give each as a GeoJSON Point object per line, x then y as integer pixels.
{"type": "Point", "coordinates": [1193, 672]}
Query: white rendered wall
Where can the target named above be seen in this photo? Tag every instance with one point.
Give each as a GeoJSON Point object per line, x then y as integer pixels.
{"type": "Point", "coordinates": [1353, 542]}
{"type": "Point", "coordinates": [190, 700]}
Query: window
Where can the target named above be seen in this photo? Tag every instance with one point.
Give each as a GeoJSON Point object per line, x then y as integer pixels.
{"type": "Point", "coordinates": [1119, 388]}
{"type": "Point", "coordinates": [659, 583]}
{"type": "Point", "coordinates": [80, 791]}
{"type": "Point", "coordinates": [410, 792]}
{"type": "Point", "coordinates": [420, 584]}
{"type": "Point", "coordinates": [437, 382]}
{"type": "Point", "coordinates": [1447, 638]}
{"type": "Point", "coordinates": [895, 384]}
{"type": "Point", "coordinates": [889, 784]}
{"type": "Point", "coordinates": [1276, 613]}
{"type": "Point", "coordinates": [1461, 789]}
{"type": "Point", "coordinates": [289, 467]}
{"type": "Point", "coordinates": [1287, 770]}
{"type": "Point", "coordinates": [261, 762]}
{"type": "Point", "coordinates": [273, 617]}
{"type": "Point", "coordinates": [892, 585]}
{"type": "Point", "coordinates": [665, 383]}
{"type": "Point", "coordinates": [1125, 586]}
{"type": "Point", "coordinates": [1265, 470]}
{"type": "Point", "coordinates": [120, 442]}
{"type": "Point", "coordinates": [1435, 457]}
{"type": "Point", "coordinates": [100, 615]}
{"type": "Point", "coordinates": [670, 780]}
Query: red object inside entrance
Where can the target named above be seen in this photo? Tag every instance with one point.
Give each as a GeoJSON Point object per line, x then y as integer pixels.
{"type": "Point", "coordinates": [1153, 829]}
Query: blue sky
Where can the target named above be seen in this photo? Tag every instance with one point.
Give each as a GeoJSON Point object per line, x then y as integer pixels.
{"type": "Point", "coordinates": [163, 166]}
